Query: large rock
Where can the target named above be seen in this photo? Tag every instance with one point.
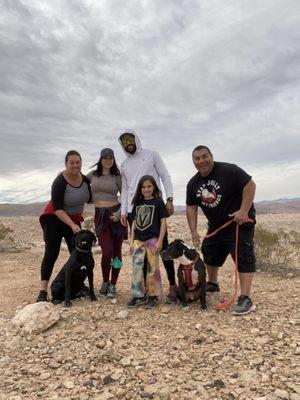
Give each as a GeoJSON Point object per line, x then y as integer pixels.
{"type": "Point", "coordinates": [36, 317]}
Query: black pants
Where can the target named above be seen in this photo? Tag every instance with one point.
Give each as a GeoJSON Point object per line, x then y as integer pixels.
{"type": "Point", "coordinates": [168, 264]}
{"type": "Point", "coordinates": [54, 231]}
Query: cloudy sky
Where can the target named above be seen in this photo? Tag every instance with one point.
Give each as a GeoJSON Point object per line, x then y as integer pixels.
{"type": "Point", "coordinates": [74, 73]}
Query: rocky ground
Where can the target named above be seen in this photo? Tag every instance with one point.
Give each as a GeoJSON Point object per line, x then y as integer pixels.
{"type": "Point", "coordinates": [103, 350]}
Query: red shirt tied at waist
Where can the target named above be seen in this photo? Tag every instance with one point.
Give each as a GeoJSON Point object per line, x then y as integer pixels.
{"type": "Point", "coordinates": [49, 210]}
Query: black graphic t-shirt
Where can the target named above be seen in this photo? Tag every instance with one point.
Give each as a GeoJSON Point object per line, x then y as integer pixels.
{"type": "Point", "coordinates": [147, 215]}
{"type": "Point", "coordinates": [219, 193]}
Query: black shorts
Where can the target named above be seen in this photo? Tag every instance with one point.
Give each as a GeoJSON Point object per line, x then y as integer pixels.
{"type": "Point", "coordinates": [216, 249]}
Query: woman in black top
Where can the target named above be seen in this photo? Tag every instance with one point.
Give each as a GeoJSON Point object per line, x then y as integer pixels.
{"type": "Point", "coordinates": [63, 214]}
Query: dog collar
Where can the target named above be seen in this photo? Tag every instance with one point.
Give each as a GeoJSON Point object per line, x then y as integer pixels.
{"type": "Point", "coordinates": [185, 261]}
{"type": "Point", "coordinates": [82, 251]}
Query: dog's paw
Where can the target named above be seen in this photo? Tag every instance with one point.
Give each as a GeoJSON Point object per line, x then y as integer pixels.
{"type": "Point", "coordinates": [68, 304]}
{"type": "Point", "coordinates": [93, 298]}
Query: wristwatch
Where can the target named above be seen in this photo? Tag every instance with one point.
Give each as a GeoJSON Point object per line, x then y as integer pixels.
{"type": "Point", "coordinates": [170, 199]}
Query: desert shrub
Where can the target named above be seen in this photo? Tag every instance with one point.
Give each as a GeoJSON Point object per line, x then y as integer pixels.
{"type": "Point", "coordinates": [276, 249]}
{"type": "Point", "coordinates": [4, 232]}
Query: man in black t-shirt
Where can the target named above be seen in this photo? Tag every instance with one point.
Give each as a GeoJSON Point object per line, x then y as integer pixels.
{"type": "Point", "coordinates": [223, 191]}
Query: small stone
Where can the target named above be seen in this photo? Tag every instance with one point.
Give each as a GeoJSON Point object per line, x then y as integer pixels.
{"type": "Point", "coordinates": [54, 365]}
{"type": "Point", "coordinates": [122, 314]}
{"type": "Point", "coordinates": [126, 361]}
{"type": "Point", "coordinates": [218, 383]}
{"type": "Point", "coordinates": [69, 384]}
{"type": "Point", "coordinates": [282, 394]}
{"type": "Point", "coordinates": [164, 394]}
{"type": "Point", "coordinates": [294, 387]}
{"type": "Point", "coordinates": [280, 336]}
{"type": "Point", "coordinates": [45, 375]}
{"type": "Point", "coordinates": [104, 396]}
{"type": "Point", "coordinates": [262, 340]}
{"type": "Point", "coordinates": [117, 374]}
{"type": "Point", "coordinates": [101, 344]}
{"type": "Point", "coordinates": [165, 310]}
{"type": "Point", "coordinates": [295, 396]}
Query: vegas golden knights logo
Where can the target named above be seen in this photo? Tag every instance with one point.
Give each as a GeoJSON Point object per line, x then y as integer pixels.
{"type": "Point", "coordinates": [144, 216]}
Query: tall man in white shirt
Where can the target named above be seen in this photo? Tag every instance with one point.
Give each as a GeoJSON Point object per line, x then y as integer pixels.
{"type": "Point", "coordinates": [139, 162]}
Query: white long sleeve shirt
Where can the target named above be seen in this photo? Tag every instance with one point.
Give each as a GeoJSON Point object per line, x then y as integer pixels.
{"type": "Point", "coordinates": [142, 162]}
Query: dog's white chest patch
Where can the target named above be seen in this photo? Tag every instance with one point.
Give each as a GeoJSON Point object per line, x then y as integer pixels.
{"type": "Point", "coordinates": [195, 277]}
{"type": "Point", "coordinates": [83, 268]}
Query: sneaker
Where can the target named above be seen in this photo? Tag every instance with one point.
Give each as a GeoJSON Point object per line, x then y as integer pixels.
{"type": "Point", "coordinates": [42, 296]}
{"type": "Point", "coordinates": [212, 287]}
{"type": "Point", "coordinates": [136, 301]}
{"type": "Point", "coordinates": [171, 297]}
{"type": "Point", "coordinates": [151, 302]}
{"type": "Point", "coordinates": [111, 291]}
{"type": "Point", "coordinates": [104, 289]}
{"type": "Point", "coordinates": [243, 306]}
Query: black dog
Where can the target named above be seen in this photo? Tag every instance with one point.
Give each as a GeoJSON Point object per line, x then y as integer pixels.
{"type": "Point", "coordinates": [191, 272]}
{"type": "Point", "coordinates": [68, 283]}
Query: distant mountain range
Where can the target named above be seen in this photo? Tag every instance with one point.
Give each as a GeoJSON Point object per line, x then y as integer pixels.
{"type": "Point", "coordinates": [280, 206]}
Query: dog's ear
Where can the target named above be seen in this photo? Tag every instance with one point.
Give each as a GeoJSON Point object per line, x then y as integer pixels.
{"type": "Point", "coordinates": [179, 244]}
{"type": "Point", "coordinates": [191, 254]}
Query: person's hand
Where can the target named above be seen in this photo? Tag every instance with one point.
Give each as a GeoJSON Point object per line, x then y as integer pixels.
{"type": "Point", "coordinates": [115, 217]}
{"type": "Point", "coordinates": [131, 247]}
{"type": "Point", "coordinates": [76, 229]}
{"type": "Point", "coordinates": [196, 239]}
{"type": "Point", "coordinates": [123, 220]}
{"type": "Point", "coordinates": [170, 207]}
{"type": "Point", "coordinates": [240, 216]}
{"type": "Point", "coordinates": [158, 246]}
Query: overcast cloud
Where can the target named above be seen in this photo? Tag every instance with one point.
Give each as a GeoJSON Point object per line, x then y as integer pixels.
{"type": "Point", "coordinates": [74, 73]}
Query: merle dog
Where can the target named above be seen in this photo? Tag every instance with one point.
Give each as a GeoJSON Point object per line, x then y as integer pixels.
{"type": "Point", "coordinates": [69, 282]}
{"type": "Point", "coordinates": [191, 272]}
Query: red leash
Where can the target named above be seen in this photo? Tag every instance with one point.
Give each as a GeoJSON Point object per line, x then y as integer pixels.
{"type": "Point", "coordinates": [227, 303]}
{"type": "Point", "coordinates": [187, 270]}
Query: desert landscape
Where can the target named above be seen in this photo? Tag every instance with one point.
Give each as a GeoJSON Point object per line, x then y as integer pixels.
{"type": "Point", "coordinates": [104, 350]}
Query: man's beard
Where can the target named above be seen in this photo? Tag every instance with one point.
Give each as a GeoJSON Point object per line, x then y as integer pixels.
{"type": "Point", "coordinates": [131, 148]}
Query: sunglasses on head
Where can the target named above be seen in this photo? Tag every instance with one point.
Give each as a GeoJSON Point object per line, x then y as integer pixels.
{"type": "Point", "coordinates": [127, 140]}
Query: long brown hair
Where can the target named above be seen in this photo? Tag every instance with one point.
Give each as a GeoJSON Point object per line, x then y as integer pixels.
{"type": "Point", "coordinates": [114, 170]}
{"type": "Point", "coordinates": [138, 193]}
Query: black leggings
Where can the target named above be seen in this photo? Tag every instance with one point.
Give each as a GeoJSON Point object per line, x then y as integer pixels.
{"type": "Point", "coordinates": [54, 230]}
{"type": "Point", "coordinates": [168, 264]}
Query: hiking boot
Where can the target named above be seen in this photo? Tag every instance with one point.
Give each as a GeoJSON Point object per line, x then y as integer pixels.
{"type": "Point", "coordinates": [152, 302]}
{"type": "Point", "coordinates": [243, 306]}
{"type": "Point", "coordinates": [212, 287]}
{"type": "Point", "coordinates": [172, 296]}
{"type": "Point", "coordinates": [104, 289]}
{"type": "Point", "coordinates": [111, 291]}
{"type": "Point", "coordinates": [136, 301]}
{"type": "Point", "coordinates": [42, 296]}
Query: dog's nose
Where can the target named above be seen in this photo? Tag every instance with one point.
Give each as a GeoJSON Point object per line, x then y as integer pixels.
{"type": "Point", "coordinates": [164, 255]}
